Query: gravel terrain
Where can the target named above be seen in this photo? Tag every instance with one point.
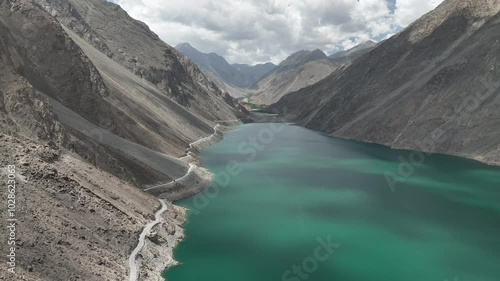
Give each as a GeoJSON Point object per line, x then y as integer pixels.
{"type": "Point", "coordinates": [76, 222]}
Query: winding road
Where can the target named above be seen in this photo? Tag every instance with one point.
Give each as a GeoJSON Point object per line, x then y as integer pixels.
{"type": "Point", "coordinates": [205, 138]}
{"type": "Point", "coordinates": [190, 170]}
{"type": "Point", "coordinates": [134, 274]}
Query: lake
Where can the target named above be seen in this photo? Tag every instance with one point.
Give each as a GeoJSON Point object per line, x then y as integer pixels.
{"type": "Point", "coordinates": [292, 204]}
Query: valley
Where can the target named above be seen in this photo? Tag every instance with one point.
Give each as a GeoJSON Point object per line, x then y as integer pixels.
{"type": "Point", "coordinates": [267, 83]}
{"type": "Point", "coordinates": [349, 157]}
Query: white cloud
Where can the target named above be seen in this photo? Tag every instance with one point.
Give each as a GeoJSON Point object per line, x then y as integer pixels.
{"type": "Point", "coordinates": [251, 31]}
{"type": "Point", "coordinates": [407, 11]}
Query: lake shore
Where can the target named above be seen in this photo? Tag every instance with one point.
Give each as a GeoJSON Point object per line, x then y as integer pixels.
{"type": "Point", "coordinates": [157, 252]}
{"type": "Point", "coordinates": [478, 158]}
{"type": "Point", "coordinates": [197, 178]}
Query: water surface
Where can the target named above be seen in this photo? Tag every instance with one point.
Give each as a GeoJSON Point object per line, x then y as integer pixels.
{"type": "Point", "coordinates": [303, 187]}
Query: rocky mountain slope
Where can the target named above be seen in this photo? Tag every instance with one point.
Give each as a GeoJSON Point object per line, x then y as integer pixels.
{"type": "Point", "coordinates": [37, 59]}
{"type": "Point", "coordinates": [77, 222]}
{"type": "Point", "coordinates": [130, 43]}
{"type": "Point", "coordinates": [101, 102]}
{"type": "Point", "coordinates": [303, 69]}
{"type": "Point", "coordinates": [433, 87]}
{"type": "Point", "coordinates": [299, 58]}
{"type": "Point", "coordinates": [278, 84]}
{"type": "Point", "coordinates": [162, 100]}
{"type": "Point", "coordinates": [95, 107]}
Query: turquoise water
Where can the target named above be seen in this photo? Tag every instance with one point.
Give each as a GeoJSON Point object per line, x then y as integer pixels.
{"type": "Point", "coordinates": [305, 206]}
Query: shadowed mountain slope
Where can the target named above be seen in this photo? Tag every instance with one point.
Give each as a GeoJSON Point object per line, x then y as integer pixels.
{"type": "Point", "coordinates": [78, 163]}
{"type": "Point", "coordinates": [130, 43]}
{"type": "Point", "coordinates": [131, 113]}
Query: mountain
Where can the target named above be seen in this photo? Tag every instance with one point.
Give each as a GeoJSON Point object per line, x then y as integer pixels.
{"type": "Point", "coordinates": [299, 58]}
{"type": "Point", "coordinates": [267, 83]}
{"type": "Point", "coordinates": [142, 98]}
{"type": "Point", "coordinates": [433, 87]}
{"type": "Point", "coordinates": [232, 78]}
{"type": "Point", "coordinates": [278, 84]}
{"type": "Point", "coordinates": [130, 44]}
{"type": "Point", "coordinates": [303, 69]}
{"type": "Point", "coordinates": [357, 51]}
{"type": "Point", "coordinates": [215, 65]}
{"type": "Point", "coordinates": [94, 109]}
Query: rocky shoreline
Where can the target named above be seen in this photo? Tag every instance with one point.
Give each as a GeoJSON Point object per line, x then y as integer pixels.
{"type": "Point", "coordinates": [157, 252]}
{"type": "Point", "coordinates": [155, 257]}
{"type": "Point", "coordinates": [196, 179]}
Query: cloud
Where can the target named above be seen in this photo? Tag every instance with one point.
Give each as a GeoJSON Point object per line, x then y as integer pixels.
{"type": "Point", "coordinates": [253, 31]}
{"type": "Point", "coordinates": [407, 11]}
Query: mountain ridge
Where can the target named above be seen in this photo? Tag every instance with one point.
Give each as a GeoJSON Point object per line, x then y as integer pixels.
{"type": "Point", "coordinates": [216, 66]}
{"type": "Point", "coordinates": [302, 69]}
{"type": "Point", "coordinates": [270, 82]}
{"type": "Point", "coordinates": [300, 58]}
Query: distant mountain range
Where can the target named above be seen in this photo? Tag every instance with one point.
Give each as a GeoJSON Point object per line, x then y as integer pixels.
{"type": "Point", "coordinates": [303, 69]}
{"type": "Point", "coordinates": [216, 67]}
{"type": "Point", "coordinates": [300, 58]}
{"type": "Point", "coordinates": [267, 83]}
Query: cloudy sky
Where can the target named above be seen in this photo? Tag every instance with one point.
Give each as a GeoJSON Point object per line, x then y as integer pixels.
{"type": "Point", "coordinates": [255, 31]}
